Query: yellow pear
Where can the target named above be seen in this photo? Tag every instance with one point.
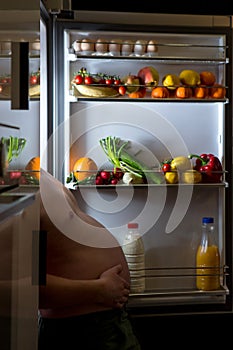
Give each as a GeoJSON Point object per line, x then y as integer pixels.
{"type": "Point", "coordinates": [171, 81]}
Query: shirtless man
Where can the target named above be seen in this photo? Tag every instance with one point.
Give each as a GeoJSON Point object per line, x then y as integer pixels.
{"type": "Point", "coordinates": [87, 282]}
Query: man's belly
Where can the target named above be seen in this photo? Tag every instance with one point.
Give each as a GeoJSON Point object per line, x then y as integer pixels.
{"type": "Point", "coordinates": [80, 262]}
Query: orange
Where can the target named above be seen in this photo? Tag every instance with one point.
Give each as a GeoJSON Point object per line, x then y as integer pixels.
{"type": "Point", "coordinates": [160, 92]}
{"type": "Point", "coordinates": [34, 166]}
{"type": "Point", "coordinates": [200, 92]}
{"type": "Point", "coordinates": [183, 92]}
{"type": "Point", "coordinates": [83, 168]}
{"type": "Point", "coordinates": [207, 78]}
{"type": "Point", "coordinates": [217, 91]}
{"type": "Point", "coordinates": [138, 94]}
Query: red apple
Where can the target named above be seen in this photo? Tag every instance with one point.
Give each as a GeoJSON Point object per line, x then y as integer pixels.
{"type": "Point", "coordinates": [149, 76]}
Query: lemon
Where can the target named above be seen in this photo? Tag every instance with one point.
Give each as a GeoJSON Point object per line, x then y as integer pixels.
{"type": "Point", "coordinates": [180, 163]}
{"type": "Point", "coordinates": [190, 77]}
{"type": "Point", "coordinates": [171, 81]}
{"type": "Point", "coordinates": [191, 176]}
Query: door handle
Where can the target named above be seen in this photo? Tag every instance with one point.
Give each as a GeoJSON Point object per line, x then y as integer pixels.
{"type": "Point", "coordinates": [20, 76]}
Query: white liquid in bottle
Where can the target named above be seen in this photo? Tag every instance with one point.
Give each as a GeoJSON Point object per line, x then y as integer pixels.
{"type": "Point", "coordinates": [135, 255]}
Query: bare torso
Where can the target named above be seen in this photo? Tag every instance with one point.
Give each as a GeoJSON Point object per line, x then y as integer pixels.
{"type": "Point", "coordinates": [70, 259]}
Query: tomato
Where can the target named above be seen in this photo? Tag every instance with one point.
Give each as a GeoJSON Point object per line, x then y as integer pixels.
{"type": "Point", "coordinates": [166, 167]}
{"type": "Point", "coordinates": [33, 79]}
{"type": "Point", "coordinates": [122, 90]}
{"type": "Point", "coordinates": [3, 80]}
{"type": "Point", "coordinates": [78, 79]}
{"type": "Point", "coordinates": [109, 81]}
{"type": "Point", "coordinates": [117, 82]}
{"type": "Point", "coordinates": [88, 80]}
{"type": "Point", "coordinates": [101, 81]}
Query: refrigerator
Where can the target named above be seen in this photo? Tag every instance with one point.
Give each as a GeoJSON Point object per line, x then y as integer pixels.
{"type": "Point", "coordinates": [22, 31]}
{"type": "Point", "coordinates": [169, 215]}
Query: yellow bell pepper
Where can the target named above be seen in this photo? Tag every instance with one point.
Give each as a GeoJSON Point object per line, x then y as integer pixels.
{"type": "Point", "coordinates": [171, 177]}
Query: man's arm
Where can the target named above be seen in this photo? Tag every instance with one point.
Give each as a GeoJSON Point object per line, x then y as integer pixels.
{"type": "Point", "coordinates": [110, 290]}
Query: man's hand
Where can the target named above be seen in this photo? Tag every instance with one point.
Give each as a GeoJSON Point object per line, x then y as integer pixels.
{"type": "Point", "coordinates": [115, 290]}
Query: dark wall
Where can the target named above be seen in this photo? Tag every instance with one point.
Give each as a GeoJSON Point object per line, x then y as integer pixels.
{"type": "Point", "coordinates": [203, 7]}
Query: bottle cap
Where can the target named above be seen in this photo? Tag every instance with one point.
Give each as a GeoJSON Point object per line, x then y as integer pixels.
{"type": "Point", "coordinates": [132, 225]}
{"type": "Point", "coordinates": [207, 220]}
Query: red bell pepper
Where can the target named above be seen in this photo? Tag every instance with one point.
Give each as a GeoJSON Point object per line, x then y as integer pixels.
{"type": "Point", "coordinates": [210, 167]}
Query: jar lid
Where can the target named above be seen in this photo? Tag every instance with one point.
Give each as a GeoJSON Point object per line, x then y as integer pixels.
{"type": "Point", "coordinates": [207, 220]}
{"type": "Point", "coordinates": [132, 225]}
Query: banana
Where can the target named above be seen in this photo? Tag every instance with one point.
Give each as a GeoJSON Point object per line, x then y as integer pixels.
{"type": "Point", "coordinates": [34, 90]}
{"type": "Point", "coordinates": [95, 91]}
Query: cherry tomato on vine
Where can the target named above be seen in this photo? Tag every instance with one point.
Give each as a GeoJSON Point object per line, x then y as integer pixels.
{"type": "Point", "coordinates": [88, 80]}
{"type": "Point", "coordinates": [78, 79]}
{"type": "Point", "coordinates": [166, 167]}
{"type": "Point", "coordinates": [117, 82]}
{"type": "Point", "coordinates": [101, 81]}
{"type": "Point", "coordinates": [109, 81]}
{"type": "Point", "coordinates": [33, 79]}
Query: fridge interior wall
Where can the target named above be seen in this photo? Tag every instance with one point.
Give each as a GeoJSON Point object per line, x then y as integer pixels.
{"type": "Point", "coordinates": [170, 238]}
{"type": "Point", "coordinates": [169, 217]}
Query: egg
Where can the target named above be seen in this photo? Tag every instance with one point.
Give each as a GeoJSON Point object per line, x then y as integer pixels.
{"type": "Point", "coordinates": [152, 47]}
{"type": "Point", "coordinates": [115, 46]}
{"type": "Point", "coordinates": [77, 45]}
{"type": "Point", "coordinates": [101, 45]}
{"type": "Point", "coordinates": [6, 48]}
{"type": "Point", "coordinates": [127, 47]}
{"type": "Point", "coordinates": [87, 45]}
{"type": "Point", "coordinates": [34, 47]}
{"type": "Point", "coordinates": [140, 47]}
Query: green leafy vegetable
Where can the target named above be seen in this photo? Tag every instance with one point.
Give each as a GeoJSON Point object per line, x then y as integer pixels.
{"type": "Point", "coordinates": [14, 145]}
{"type": "Point", "coordinates": [114, 148]}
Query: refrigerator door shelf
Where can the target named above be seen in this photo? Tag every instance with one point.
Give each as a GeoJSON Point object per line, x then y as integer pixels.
{"type": "Point", "coordinates": [179, 297]}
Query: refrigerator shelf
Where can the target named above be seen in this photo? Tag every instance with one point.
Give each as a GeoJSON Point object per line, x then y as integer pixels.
{"type": "Point", "coordinates": [155, 58]}
{"type": "Point", "coordinates": [108, 187]}
{"type": "Point", "coordinates": [181, 297]}
{"type": "Point", "coordinates": [146, 99]}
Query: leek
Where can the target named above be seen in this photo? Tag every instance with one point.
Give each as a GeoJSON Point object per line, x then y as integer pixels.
{"type": "Point", "coordinates": [114, 148]}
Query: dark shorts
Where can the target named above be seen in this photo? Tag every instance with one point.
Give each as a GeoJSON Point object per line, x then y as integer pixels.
{"type": "Point", "coordinates": [106, 330]}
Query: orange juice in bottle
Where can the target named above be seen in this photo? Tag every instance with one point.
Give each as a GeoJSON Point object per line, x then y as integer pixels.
{"type": "Point", "coordinates": [208, 258]}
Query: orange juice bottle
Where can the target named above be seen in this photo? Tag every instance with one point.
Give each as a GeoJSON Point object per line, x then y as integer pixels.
{"type": "Point", "coordinates": [208, 258]}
